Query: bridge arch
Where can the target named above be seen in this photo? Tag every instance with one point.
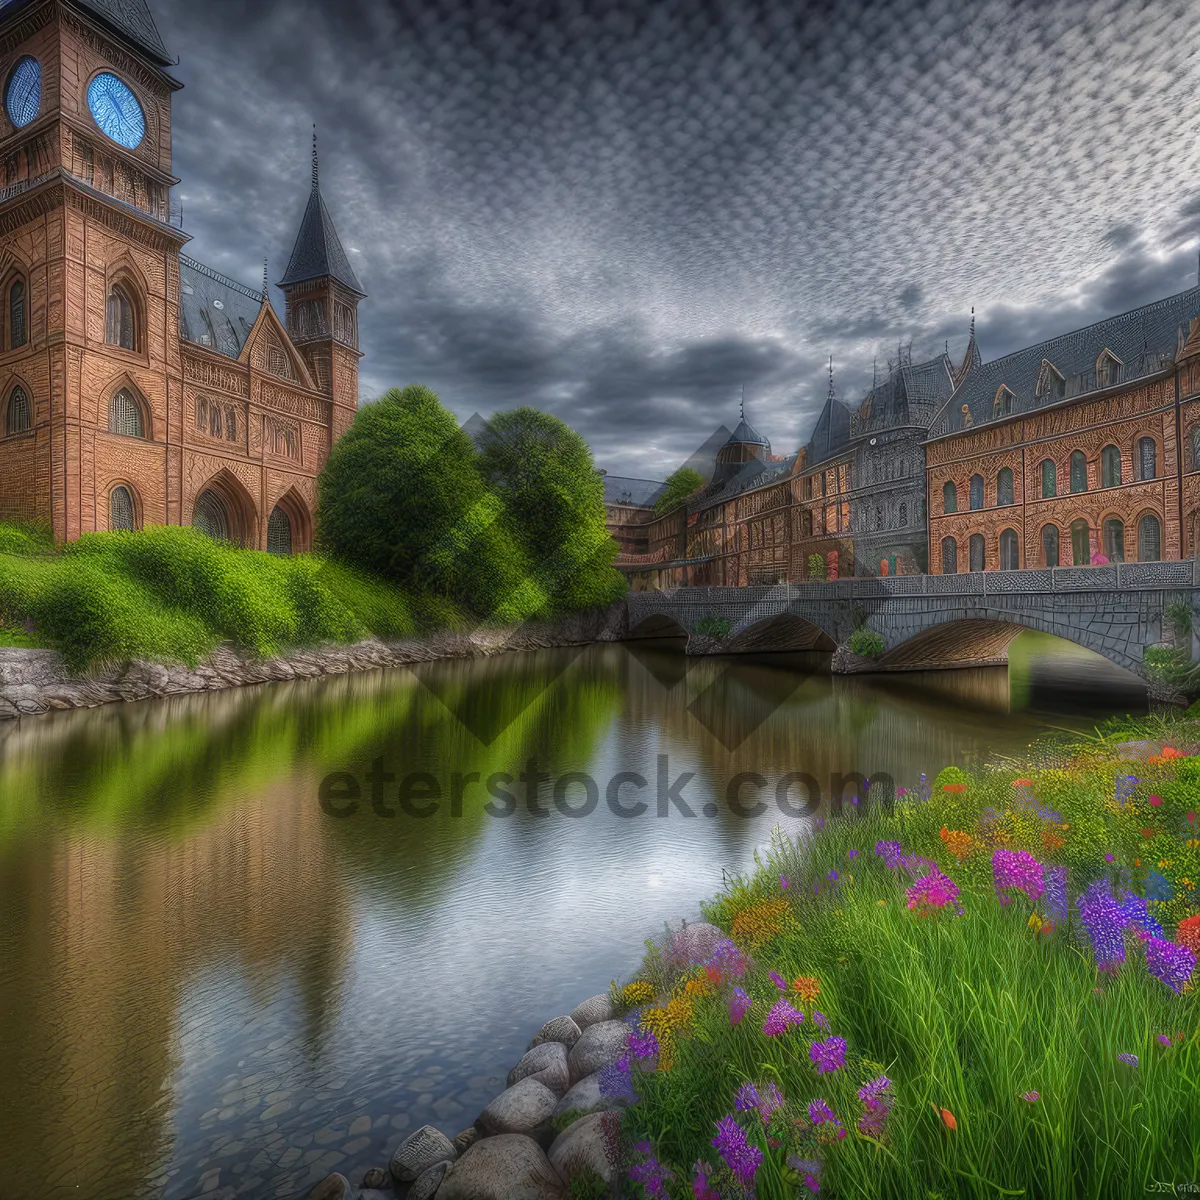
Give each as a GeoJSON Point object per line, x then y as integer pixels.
{"type": "Point", "coordinates": [779, 632]}
{"type": "Point", "coordinates": [657, 625]}
{"type": "Point", "coordinates": [984, 641]}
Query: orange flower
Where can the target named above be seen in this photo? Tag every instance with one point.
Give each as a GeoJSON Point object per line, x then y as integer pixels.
{"type": "Point", "coordinates": [1052, 841]}
{"type": "Point", "coordinates": [698, 987]}
{"type": "Point", "coordinates": [946, 1115]}
{"type": "Point", "coordinates": [954, 788]}
{"type": "Point", "coordinates": [808, 988]}
{"type": "Point", "coordinates": [957, 842]}
{"type": "Point", "coordinates": [1022, 783]}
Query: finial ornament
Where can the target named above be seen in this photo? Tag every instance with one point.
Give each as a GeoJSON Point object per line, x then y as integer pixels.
{"type": "Point", "coordinates": [266, 285]}
{"type": "Point", "coordinates": [743, 407]}
{"type": "Point", "coordinates": [831, 377]}
{"type": "Point", "coordinates": [972, 320]}
{"type": "Point", "coordinates": [314, 156]}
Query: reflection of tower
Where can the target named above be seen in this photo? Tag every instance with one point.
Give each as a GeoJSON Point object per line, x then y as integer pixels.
{"type": "Point", "coordinates": [322, 294]}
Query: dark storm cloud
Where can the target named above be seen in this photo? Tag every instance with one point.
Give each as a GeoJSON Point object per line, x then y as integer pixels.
{"type": "Point", "coordinates": [624, 212]}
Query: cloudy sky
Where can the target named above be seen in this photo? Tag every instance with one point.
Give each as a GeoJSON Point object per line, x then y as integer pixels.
{"type": "Point", "coordinates": [623, 212]}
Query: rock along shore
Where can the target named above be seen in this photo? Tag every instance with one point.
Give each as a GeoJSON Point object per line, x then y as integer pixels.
{"type": "Point", "coordinates": [36, 681]}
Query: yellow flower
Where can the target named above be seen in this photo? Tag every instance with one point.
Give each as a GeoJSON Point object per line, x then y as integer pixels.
{"type": "Point", "coordinates": [1035, 922]}
{"type": "Point", "coordinates": [635, 993]}
{"type": "Point", "coordinates": [761, 922]}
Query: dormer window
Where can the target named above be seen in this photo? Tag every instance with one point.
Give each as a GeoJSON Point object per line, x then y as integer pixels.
{"type": "Point", "coordinates": [1108, 369]}
{"type": "Point", "coordinates": [1004, 403]}
{"type": "Point", "coordinates": [1051, 384]}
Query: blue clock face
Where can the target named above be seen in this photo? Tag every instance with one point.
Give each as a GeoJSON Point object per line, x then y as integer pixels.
{"type": "Point", "coordinates": [116, 111]}
{"type": "Point", "coordinates": [23, 96]}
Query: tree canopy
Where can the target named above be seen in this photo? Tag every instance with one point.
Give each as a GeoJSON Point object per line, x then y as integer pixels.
{"type": "Point", "coordinates": [680, 485]}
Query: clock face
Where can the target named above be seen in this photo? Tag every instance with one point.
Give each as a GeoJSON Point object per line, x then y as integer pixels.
{"type": "Point", "coordinates": [116, 111]}
{"type": "Point", "coordinates": [23, 96]}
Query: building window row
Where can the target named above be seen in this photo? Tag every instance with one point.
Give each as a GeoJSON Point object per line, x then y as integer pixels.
{"type": "Point", "coordinates": [1112, 545]}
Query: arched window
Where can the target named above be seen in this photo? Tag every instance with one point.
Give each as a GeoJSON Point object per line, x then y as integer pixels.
{"type": "Point", "coordinates": [16, 314]}
{"type": "Point", "coordinates": [120, 509]}
{"type": "Point", "coordinates": [975, 552]}
{"type": "Point", "coordinates": [119, 325]}
{"type": "Point", "coordinates": [976, 491]}
{"type": "Point", "coordinates": [17, 419]}
{"type": "Point", "coordinates": [878, 517]}
{"type": "Point", "coordinates": [214, 421]}
{"type": "Point", "coordinates": [202, 407]}
{"type": "Point", "coordinates": [279, 532]}
{"type": "Point", "coordinates": [124, 415]}
{"type": "Point", "coordinates": [1114, 539]}
{"type": "Point", "coordinates": [1004, 486]}
{"type": "Point", "coordinates": [949, 556]}
{"type": "Point", "coordinates": [950, 493]}
{"type": "Point", "coordinates": [1049, 479]}
{"type": "Point", "coordinates": [1050, 545]}
{"type": "Point", "coordinates": [1147, 458]}
{"type": "Point", "coordinates": [1149, 539]}
{"type": "Point", "coordinates": [903, 514]}
{"type": "Point", "coordinates": [210, 516]}
{"type": "Point", "coordinates": [1196, 447]}
{"type": "Point", "coordinates": [1078, 471]}
{"type": "Point", "coordinates": [1081, 549]}
{"type": "Point", "coordinates": [1110, 467]}
{"type": "Point", "coordinates": [231, 424]}
{"type": "Point", "coordinates": [1010, 554]}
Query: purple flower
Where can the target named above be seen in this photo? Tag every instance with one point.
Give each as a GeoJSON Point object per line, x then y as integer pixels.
{"type": "Point", "coordinates": [783, 882]}
{"type": "Point", "coordinates": [780, 1017]}
{"type": "Point", "coordinates": [727, 958]}
{"type": "Point", "coordinates": [1163, 1040]}
{"type": "Point", "coordinates": [819, 1113]}
{"type": "Point", "coordinates": [1136, 913]}
{"type": "Point", "coordinates": [1130, 1060]}
{"type": "Point", "coordinates": [701, 1188]}
{"type": "Point", "coordinates": [1055, 879]}
{"type": "Point", "coordinates": [740, 1157]}
{"type": "Point", "coordinates": [820, 1019]}
{"type": "Point", "coordinates": [810, 1169]}
{"type": "Point", "coordinates": [765, 1102]}
{"type": "Point", "coordinates": [875, 1088]}
{"type": "Point", "coordinates": [1104, 920]}
{"type": "Point", "coordinates": [1017, 869]}
{"type": "Point", "coordinates": [890, 852]}
{"type": "Point", "coordinates": [739, 1002]}
{"type": "Point", "coordinates": [851, 853]}
{"type": "Point", "coordinates": [1110, 858]}
{"type": "Point", "coordinates": [1171, 963]}
{"type": "Point", "coordinates": [778, 980]}
{"type": "Point", "coordinates": [616, 1081]}
{"type": "Point", "coordinates": [1031, 1097]}
{"type": "Point", "coordinates": [934, 890]}
{"type": "Point", "coordinates": [876, 1096]}
{"type": "Point", "coordinates": [643, 1046]}
{"type": "Point", "coordinates": [828, 1055]}
{"type": "Point", "coordinates": [651, 1174]}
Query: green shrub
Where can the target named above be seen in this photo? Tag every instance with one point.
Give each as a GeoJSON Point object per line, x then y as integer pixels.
{"type": "Point", "coordinates": [713, 626]}
{"type": "Point", "coordinates": [25, 539]}
{"type": "Point", "coordinates": [679, 486]}
{"type": "Point", "coordinates": [816, 567]}
{"type": "Point", "coordinates": [866, 643]}
{"type": "Point", "coordinates": [950, 775]}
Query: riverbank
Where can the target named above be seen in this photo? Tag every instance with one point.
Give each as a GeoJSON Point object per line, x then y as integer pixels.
{"type": "Point", "coordinates": [986, 987]}
{"type": "Point", "coordinates": [35, 681]}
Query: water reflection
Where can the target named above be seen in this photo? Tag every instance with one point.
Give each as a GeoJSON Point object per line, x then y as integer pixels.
{"type": "Point", "coordinates": [203, 972]}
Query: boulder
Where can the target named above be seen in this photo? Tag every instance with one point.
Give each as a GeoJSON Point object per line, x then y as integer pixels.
{"type": "Point", "coordinates": [419, 1151]}
{"type": "Point", "coordinates": [593, 1010]}
{"type": "Point", "coordinates": [586, 1097]}
{"type": "Point", "coordinates": [332, 1187]}
{"type": "Point", "coordinates": [599, 1046]}
{"type": "Point", "coordinates": [428, 1182]}
{"type": "Point", "coordinates": [507, 1167]}
{"type": "Point", "coordinates": [376, 1177]}
{"type": "Point", "coordinates": [523, 1108]}
{"type": "Point", "coordinates": [376, 1194]}
{"type": "Point", "coordinates": [591, 1146]}
{"type": "Point", "coordinates": [691, 945]}
{"type": "Point", "coordinates": [468, 1137]}
{"type": "Point", "coordinates": [547, 1064]}
{"type": "Point", "coordinates": [561, 1029]}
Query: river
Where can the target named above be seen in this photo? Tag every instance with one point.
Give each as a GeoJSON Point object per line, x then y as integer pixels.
{"type": "Point", "coordinates": [222, 974]}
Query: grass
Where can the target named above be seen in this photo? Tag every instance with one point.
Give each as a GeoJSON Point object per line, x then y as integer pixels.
{"type": "Point", "coordinates": [966, 1013]}
{"type": "Point", "coordinates": [170, 594]}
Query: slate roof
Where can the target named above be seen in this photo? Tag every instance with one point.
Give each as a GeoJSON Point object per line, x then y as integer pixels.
{"type": "Point", "coordinates": [622, 489]}
{"type": "Point", "coordinates": [831, 434]}
{"type": "Point", "coordinates": [745, 434]}
{"type": "Point", "coordinates": [215, 311]}
{"type": "Point", "coordinates": [911, 393]}
{"type": "Point", "coordinates": [749, 475]}
{"type": "Point", "coordinates": [130, 19]}
{"type": "Point", "coordinates": [318, 250]}
{"type": "Point", "coordinates": [1144, 339]}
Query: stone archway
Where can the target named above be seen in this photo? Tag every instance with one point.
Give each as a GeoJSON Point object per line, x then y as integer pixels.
{"type": "Point", "coordinates": [224, 511]}
{"type": "Point", "coordinates": [289, 525]}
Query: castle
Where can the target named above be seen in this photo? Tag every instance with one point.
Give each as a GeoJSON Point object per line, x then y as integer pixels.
{"type": "Point", "coordinates": [138, 386]}
{"type": "Point", "coordinates": [1081, 449]}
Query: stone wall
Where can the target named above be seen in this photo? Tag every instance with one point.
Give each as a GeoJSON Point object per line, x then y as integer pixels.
{"type": "Point", "coordinates": [35, 681]}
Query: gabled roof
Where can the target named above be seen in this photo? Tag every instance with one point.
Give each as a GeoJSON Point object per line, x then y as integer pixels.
{"type": "Point", "coordinates": [129, 19]}
{"type": "Point", "coordinates": [910, 394]}
{"type": "Point", "coordinates": [214, 311]}
{"type": "Point", "coordinates": [745, 434]}
{"type": "Point", "coordinates": [748, 475]}
{"type": "Point", "coordinates": [318, 250]}
{"type": "Point", "coordinates": [636, 493]}
{"type": "Point", "coordinates": [1145, 339]}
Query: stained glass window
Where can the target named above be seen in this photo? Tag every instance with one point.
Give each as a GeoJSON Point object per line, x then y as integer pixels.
{"type": "Point", "coordinates": [975, 552]}
{"type": "Point", "coordinates": [17, 420]}
{"type": "Point", "coordinates": [124, 415]}
{"type": "Point", "coordinates": [1149, 539]}
{"type": "Point", "coordinates": [119, 323]}
{"type": "Point", "coordinates": [1004, 486]}
{"type": "Point", "coordinates": [1110, 467]}
{"type": "Point", "coordinates": [16, 314]}
{"type": "Point", "coordinates": [120, 509]}
{"type": "Point", "coordinates": [23, 96]}
{"type": "Point", "coordinates": [211, 517]}
{"type": "Point", "coordinates": [976, 493]}
{"type": "Point", "coordinates": [1147, 466]}
{"type": "Point", "coordinates": [1078, 471]}
{"type": "Point", "coordinates": [1049, 478]}
{"type": "Point", "coordinates": [279, 532]}
{"type": "Point", "coordinates": [1010, 554]}
{"type": "Point", "coordinates": [116, 110]}
{"type": "Point", "coordinates": [1050, 545]}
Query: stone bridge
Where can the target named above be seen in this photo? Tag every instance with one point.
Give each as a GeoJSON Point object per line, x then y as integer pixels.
{"type": "Point", "coordinates": [930, 622]}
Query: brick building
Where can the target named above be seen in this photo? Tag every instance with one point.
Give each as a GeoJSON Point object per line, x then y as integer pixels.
{"type": "Point", "coordinates": [137, 386]}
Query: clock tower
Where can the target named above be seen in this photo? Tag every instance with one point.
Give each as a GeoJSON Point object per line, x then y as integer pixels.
{"type": "Point", "coordinates": [89, 262]}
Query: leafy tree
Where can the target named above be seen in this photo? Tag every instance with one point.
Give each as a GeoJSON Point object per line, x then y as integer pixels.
{"type": "Point", "coordinates": [402, 497]}
{"type": "Point", "coordinates": [542, 472]}
{"type": "Point", "coordinates": [680, 485]}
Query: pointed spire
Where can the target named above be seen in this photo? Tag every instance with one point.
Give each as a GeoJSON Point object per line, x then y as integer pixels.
{"type": "Point", "coordinates": [874, 372]}
{"type": "Point", "coordinates": [266, 285]}
{"type": "Point", "coordinates": [831, 378]}
{"type": "Point", "coordinates": [314, 156]}
{"type": "Point", "coordinates": [743, 405]}
{"type": "Point", "coordinates": [972, 322]}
